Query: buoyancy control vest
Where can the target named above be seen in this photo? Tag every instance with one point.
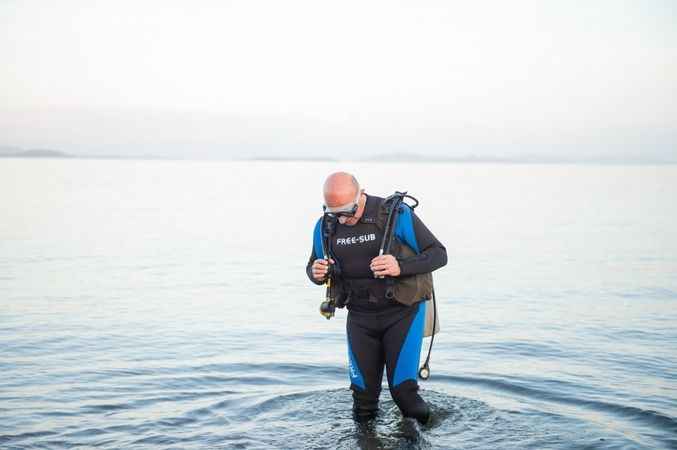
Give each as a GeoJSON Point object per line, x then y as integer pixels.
{"type": "Point", "coordinates": [394, 220]}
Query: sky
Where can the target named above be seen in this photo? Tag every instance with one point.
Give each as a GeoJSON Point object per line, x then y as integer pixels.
{"type": "Point", "coordinates": [352, 78]}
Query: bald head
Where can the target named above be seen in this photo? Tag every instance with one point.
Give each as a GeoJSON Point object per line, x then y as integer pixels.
{"type": "Point", "coordinates": [340, 188]}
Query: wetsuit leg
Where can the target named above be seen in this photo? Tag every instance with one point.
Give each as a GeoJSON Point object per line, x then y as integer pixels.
{"type": "Point", "coordinates": [402, 343]}
{"type": "Point", "coordinates": [366, 361]}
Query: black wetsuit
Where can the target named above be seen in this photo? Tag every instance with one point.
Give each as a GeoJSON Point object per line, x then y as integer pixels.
{"type": "Point", "coordinates": [380, 331]}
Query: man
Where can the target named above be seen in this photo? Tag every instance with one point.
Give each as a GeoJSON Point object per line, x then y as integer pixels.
{"type": "Point", "coordinates": [380, 330]}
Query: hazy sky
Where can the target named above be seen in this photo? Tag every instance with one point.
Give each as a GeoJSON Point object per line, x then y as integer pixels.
{"type": "Point", "coordinates": [287, 77]}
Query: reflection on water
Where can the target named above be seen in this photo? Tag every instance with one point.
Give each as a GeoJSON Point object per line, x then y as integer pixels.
{"type": "Point", "coordinates": [160, 304]}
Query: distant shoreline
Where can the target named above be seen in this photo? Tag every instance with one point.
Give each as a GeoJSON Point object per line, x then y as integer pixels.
{"type": "Point", "coordinates": [382, 158]}
{"type": "Point", "coordinates": [35, 153]}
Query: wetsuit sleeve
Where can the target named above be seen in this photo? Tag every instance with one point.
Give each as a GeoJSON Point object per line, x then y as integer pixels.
{"type": "Point", "coordinates": [315, 253]}
{"type": "Point", "coordinates": [432, 256]}
{"type": "Point", "coordinates": [309, 268]}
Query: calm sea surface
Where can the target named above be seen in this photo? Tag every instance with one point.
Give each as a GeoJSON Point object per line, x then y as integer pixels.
{"type": "Point", "coordinates": [164, 304]}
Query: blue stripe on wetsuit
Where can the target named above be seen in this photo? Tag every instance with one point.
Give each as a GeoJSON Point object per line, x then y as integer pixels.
{"type": "Point", "coordinates": [317, 240]}
{"type": "Point", "coordinates": [404, 228]}
{"type": "Point", "coordinates": [410, 353]}
{"type": "Point", "coordinates": [353, 369]}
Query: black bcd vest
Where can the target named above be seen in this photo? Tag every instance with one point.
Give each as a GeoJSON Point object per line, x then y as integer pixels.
{"type": "Point", "coordinates": [405, 289]}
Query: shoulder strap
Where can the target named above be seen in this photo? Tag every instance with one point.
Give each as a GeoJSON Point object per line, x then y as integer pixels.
{"type": "Point", "coordinates": [388, 220]}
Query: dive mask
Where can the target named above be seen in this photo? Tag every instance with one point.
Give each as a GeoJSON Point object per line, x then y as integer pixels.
{"type": "Point", "coordinates": [347, 210]}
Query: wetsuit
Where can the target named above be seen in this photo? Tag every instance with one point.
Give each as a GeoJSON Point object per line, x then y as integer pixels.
{"type": "Point", "coordinates": [381, 331]}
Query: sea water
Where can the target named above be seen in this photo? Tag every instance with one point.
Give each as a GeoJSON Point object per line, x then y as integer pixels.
{"type": "Point", "coordinates": [165, 304]}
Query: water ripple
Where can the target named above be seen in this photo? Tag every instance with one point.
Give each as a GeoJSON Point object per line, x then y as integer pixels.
{"type": "Point", "coordinates": [651, 418]}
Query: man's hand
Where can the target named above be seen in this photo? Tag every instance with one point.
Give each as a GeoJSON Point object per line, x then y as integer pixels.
{"type": "Point", "coordinates": [320, 268]}
{"type": "Point", "coordinates": [385, 265]}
